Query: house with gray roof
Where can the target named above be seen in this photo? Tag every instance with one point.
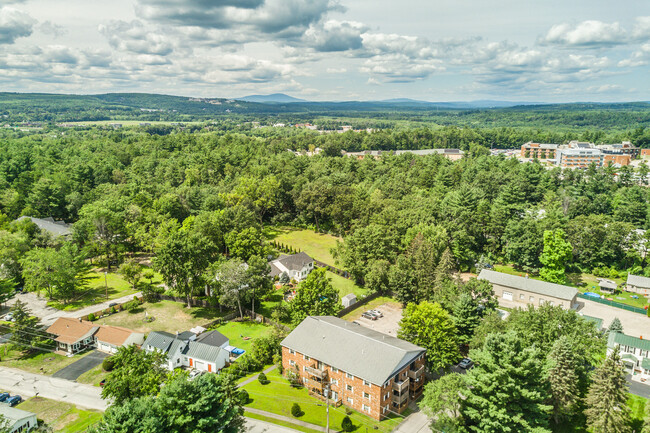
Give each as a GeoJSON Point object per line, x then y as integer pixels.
{"type": "Point", "coordinates": [17, 420]}
{"type": "Point", "coordinates": [50, 225]}
{"type": "Point", "coordinates": [638, 284]}
{"type": "Point", "coordinates": [183, 350]}
{"type": "Point", "coordinates": [515, 291]}
{"type": "Point", "coordinates": [296, 266]}
{"type": "Point", "coordinates": [635, 352]}
{"type": "Point", "coordinates": [369, 371]}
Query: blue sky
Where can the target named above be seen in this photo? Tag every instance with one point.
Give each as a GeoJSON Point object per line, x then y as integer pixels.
{"type": "Point", "coordinates": [437, 50]}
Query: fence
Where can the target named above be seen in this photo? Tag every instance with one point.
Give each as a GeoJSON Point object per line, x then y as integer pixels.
{"type": "Point", "coordinates": [358, 304]}
{"type": "Point", "coordinates": [614, 304]}
{"type": "Point", "coordinates": [259, 318]}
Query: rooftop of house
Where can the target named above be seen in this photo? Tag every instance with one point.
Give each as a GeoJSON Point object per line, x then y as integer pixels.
{"type": "Point", "coordinates": [638, 281]}
{"type": "Point", "coordinates": [607, 284]}
{"type": "Point", "coordinates": [294, 262]}
{"type": "Point", "coordinates": [69, 330]}
{"type": "Point", "coordinates": [116, 335]}
{"type": "Point", "coordinates": [620, 339]}
{"type": "Point", "coordinates": [212, 338]}
{"type": "Point", "coordinates": [352, 348]}
{"type": "Point", "coordinates": [529, 285]}
{"type": "Point", "coordinates": [170, 343]}
{"type": "Point", "coordinates": [56, 228]}
{"type": "Point", "coordinates": [14, 415]}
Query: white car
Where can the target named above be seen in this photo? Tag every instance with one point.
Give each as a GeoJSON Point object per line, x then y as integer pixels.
{"type": "Point", "coordinates": [9, 317]}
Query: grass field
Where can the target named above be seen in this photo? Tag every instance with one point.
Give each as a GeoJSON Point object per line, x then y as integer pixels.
{"type": "Point", "coordinates": [41, 362]}
{"type": "Point", "coordinates": [586, 283]}
{"type": "Point", "coordinates": [278, 396]}
{"type": "Point", "coordinates": [236, 331]}
{"type": "Point", "coordinates": [95, 292]}
{"type": "Point", "coordinates": [345, 286]}
{"type": "Point", "coordinates": [62, 417]}
{"type": "Point", "coordinates": [169, 316]}
{"type": "Point", "coordinates": [317, 245]}
{"type": "Point", "coordinates": [355, 314]}
{"type": "Point", "coordinates": [93, 376]}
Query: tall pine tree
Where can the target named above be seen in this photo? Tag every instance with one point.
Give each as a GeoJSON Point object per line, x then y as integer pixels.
{"type": "Point", "coordinates": [646, 418]}
{"type": "Point", "coordinates": [564, 379]}
{"type": "Point", "coordinates": [607, 411]}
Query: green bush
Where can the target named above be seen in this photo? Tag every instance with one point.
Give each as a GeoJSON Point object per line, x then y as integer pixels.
{"type": "Point", "coordinates": [295, 410]}
{"type": "Point", "coordinates": [91, 317]}
{"type": "Point", "coordinates": [113, 310]}
{"type": "Point", "coordinates": [346, 424]}
{"type": "Point", "coordinates": [108, 364]}
{"type": "Point", "coordinates": [243, 397]}
{"type": "Point", "coordinates": [263, 379]}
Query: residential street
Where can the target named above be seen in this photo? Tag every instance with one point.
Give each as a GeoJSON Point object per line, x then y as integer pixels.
{"type": "Point", "coordinates": [29, 384]}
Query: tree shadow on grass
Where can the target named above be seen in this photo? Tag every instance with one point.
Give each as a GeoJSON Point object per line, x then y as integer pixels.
{"type": "Point", "coordinates": [575, 278]}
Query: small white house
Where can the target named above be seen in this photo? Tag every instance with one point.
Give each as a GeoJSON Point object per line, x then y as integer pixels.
{"type": "Point", "coordinates": [296, 266]}
{"type": "Point", "coordinates": [17, 420]}
{"type": "Point", "coordinates": [184, 350]}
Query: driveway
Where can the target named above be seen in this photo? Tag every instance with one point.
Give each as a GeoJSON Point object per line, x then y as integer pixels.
{"type": "Point", "coordinates": [77, 368]}
{"type": "Point", "coordinates": [634, 324]}
{"type": "Point", "coordinates": [30, 384]}
{"type": "Point", "coordinates": [638, 388]}
{"type": "Point", "coordinates": [416, 422]}
{"type": "Point", "coordinates": [389, 324]}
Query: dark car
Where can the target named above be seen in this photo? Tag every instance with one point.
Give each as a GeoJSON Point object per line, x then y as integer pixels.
{"type": "Point", "coordinates": [112, 304]}
{"type": "Point", "coordinates": [4, 396]}
{"type": "Point", "coordinates": [465, 363]}
{"type": "Point", "coordinates": [14, 400]}
{"type": "Point", "coordinates": [369, 315]}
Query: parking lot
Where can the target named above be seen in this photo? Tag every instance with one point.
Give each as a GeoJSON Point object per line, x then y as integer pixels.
{"type": "Point", "coordinates": [389, 324]}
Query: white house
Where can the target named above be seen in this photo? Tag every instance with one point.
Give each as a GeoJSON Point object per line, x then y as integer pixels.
{"type": "Point", "coordinates": [184, 350]}
{"type": "Point", "coordinates": [296, 266]}
{"type": "Point", "coordinates": [17, 420]}
{"type": "Point", "coordinates": [638, 284]}
{"type": "Point", "coordinates": [635, 352]}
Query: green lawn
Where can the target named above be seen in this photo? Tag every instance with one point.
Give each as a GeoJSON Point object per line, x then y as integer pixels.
{"type": "Point", "coordinates": [35, 361]}
{"type": "Point", "coordinates": [62, 417]}
{"type": "Point", "coordinates": [236, 331]}
{"type": "Point", "coordinates": [93, 376]}
{"type": "Point", "coordinates": [278, 396]}
{"type": "Point", "coordinates": [95, 292]}
{"type": "Point", "coordinates": [345, 286]}
{"type": "Point", "coordinates": [356, 313]}
{"type": "Point", "coordinates": [279, 422]}
{"type": "Point", "coordinates": [168, 316]}
{"type": "Point", "coordinates": [586, 283]}
{"type": "Point", "coordinates": [317, 245]}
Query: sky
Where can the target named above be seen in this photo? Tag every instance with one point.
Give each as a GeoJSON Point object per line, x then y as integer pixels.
{"type": "Point", "coordinates": [434, 50]}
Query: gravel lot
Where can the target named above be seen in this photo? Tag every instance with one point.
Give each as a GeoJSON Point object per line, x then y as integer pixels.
{"type": "Point", "coordinates": [634, 324]}
{"type": "Point", "coordinates": [389, 324]}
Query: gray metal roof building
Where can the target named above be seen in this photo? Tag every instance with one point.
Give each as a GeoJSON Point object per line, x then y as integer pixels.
{"type": "Point", "coordinates": [352, 348]}
{"type": "Point", "coordinates": [56, 228]}
{"type": "Point", "coordinates": [638, 281]}
{"type": "Point", "coordinates": [529, 285]}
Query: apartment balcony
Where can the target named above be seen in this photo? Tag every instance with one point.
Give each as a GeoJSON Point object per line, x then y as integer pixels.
{"type": "Point", "coordinates": [400, 399]}
{"type": "Point", "coordinates": [315, 384]}
{"type": "Point", "coordinates": [316, 372]}
{"type": "Point", "coordinates": [416, 374]}
{"type": "Point", "coordinates": [400, 386]}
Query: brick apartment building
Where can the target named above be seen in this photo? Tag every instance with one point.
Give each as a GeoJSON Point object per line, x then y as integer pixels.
{"type": "Point", "coordinates": [579, 154]}
{"type": "Point", "coordinates": [539, 150]}
{"type": "Point", "coordinates": [368, 371]}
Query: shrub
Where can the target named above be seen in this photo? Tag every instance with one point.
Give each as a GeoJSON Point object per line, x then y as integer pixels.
{"type": "Point", "coordinates": [113, 310]}
{"type": "Point", "coordinates": [108, 364]}
{"type": "Point", "coordinates": [295, 410]}
{"type": "Point", "coordinates": [91, 317]}
{"type": "Point", "coordinates": [131, 305]}
{"type": "Point", "coordinates": [346, 424]}
{"type": "Point", "coordinates": [263, 379]}
{"type": "Point", "coordinates": [243, 397]}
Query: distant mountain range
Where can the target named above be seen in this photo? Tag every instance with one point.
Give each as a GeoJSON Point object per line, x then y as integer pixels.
{"type": "Point", "coordinates": [271, 99]}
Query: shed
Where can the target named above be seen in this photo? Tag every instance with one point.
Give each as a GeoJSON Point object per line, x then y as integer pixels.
{"type": "Point", "coordinates": [607, 285]}
{"type": "Point", "coordinates": [349, 300]}
{"type": "Point", "coordinates": [638, 284]}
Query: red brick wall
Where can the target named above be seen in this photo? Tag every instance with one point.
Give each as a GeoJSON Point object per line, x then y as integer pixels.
{"type": "Point", "coordinates": [339, 381]}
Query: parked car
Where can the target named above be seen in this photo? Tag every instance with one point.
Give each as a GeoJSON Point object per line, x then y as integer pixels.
{"type": "Point", "coordinates": [9, 317]}
{"type": "Point", "coordinates": [112, 304]}
{"type": "Point", "coordinates": [377, 313]}
{"type": "Point", "coordinates": [194, 373]}
{"type": "Point", "coordinates": [369, 315]}
{"type": "Point", "coordinates": [4, 396]}
{"type": "Point", "coordinates": [102, 382]}
{"type": "Point", "coordinates": [465, 363]}
{"type": "Point", "coordinates": [14, 400]}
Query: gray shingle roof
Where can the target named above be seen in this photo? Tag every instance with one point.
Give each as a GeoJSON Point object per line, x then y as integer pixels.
{"type": "Point", "coordinates": [350, 347]}
{"type": "Point", "coordinates": [56, 228]}
{"type": "Point", "coordinates": [295, 262]}
{"type": "Point", "coordinates": [528, 284]}
{"type": "Point", "coordinates": [638, 281]}
{"type": "Point", "coordinates": [159, 340]}
{"type": "Point", "coordinates": [212, 338]}
{"type": "Point", "coordinates": [202, 351]}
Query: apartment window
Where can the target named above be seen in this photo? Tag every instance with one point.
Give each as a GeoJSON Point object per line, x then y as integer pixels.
{"type": "Point", "coordinates": [366, 383]}
{"type": "Point", "coordinates": [531, 299]}
{"type": "Point", "coordinates": [292, 363]}
{"type": "Point", "coordinates": [522, 296]}
{"type": "Point", "coordinates": [366, 395]}
{"type": "Point", "coordinates": [349, 387]}
{"type": "Point", "coordinates": [349, 376]}
{"type": "Point", "coordinates": [335, 370]}
{"type": "Point", "coordinates": [383, 409]}
{"type": "Point", "coordinates": [291, 351]}
{"type": "Point", "coordinates": [334, 381]}
{"type": "Point", "coordinates": [306, 357]}
{"type": "Point", "coordinates": [350, 400]}
{"type": "Point", "coordinates": [366, 408]}
{"type": "Point", "coordinates": [386, 396]}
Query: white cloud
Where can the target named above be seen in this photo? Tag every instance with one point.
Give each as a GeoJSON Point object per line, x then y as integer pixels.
{"type": "Point", "coordinates": [335, 36]}
{"type": "Point", "coordinates": [590, 33]}
{"type": "Point", "coordinates": [136, 38]}
{"type": "Point", "coordinates": [14, 24]}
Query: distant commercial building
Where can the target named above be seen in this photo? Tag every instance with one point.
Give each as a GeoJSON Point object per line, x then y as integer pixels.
{"type": "Point", "coordinates": [452, 154]}
{"type": "Point", "coordinates": [539, 150]}
{"type": "Point", "coordinates": [580, 154]}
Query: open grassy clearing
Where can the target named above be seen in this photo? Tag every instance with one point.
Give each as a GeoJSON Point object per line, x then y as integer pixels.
{"type": "Point", "coordinates": [278, 396]}
{"type": "Point", "coordinates": [242, 334]}
{"type": "Point", "coordinates": [62, 417]}
{"type": "Point", "coordinates": [345, 286]}
{"type": "Point", "coordinates": [356, 313]}
{"type": "Point", "coordinates": [93, 376]}
{"type": "Point", "coordinates": [168, 316]}
{"type": "Point", "coordinates": [317, 245]}
{"type": "Point", "coordinates": [586, 283]}
{"type": "Point", "coordinates": [34, 360]}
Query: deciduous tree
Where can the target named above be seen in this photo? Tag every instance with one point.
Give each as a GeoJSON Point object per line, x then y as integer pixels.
{"type": "Point", "coordinates": [556, 255]}
{"type": "Point", "coordinates": [315, 296]}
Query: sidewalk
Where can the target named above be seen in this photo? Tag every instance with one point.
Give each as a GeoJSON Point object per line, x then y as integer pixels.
{"type": "Point", "coordinates": [288, 419]}
{"type": "Point", "coordinates": [253, 378]}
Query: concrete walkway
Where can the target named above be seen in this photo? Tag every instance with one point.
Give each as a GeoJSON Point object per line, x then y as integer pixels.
{"type": "Point", "coordinates": [253, 378]}
{"type": "Point", "coordinates": [30, 384]}
{"type": "Point", "coordinates": [288, 419]}
{"type": "Point", "coordinates": [254, 425]}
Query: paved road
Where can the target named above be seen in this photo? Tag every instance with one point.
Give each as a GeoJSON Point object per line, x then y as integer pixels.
{"type": "Point", "coordinates": [77, 368]}
{"type": "Point", "coordinates": [30, 384]}
{"type": "Point", "coordinates": [417, 422]}
{"type": "Point", "coordinates": [48, 315]}
{"type": "Point", "coordinates": [257, 426]}
{"type": "Point", "coordinates": [638, 388]}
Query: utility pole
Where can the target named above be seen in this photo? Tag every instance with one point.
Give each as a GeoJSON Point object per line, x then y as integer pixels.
{"type": "Point", "coordinates": [327, 407]}
{"type": "Point", "coordinates": [106, 283]}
